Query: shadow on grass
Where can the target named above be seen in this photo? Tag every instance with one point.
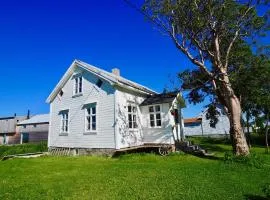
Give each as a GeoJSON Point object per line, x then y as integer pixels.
{"type": "Point", "coordinates": [213, 147]}
{"type": "Point", "coordinates": [208, 157]}
{"type": "Point", "coordinates": [254, 197]}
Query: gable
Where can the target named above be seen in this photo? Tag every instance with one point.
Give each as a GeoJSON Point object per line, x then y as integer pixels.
{"type": "Point", "coordinates": [101, 74]}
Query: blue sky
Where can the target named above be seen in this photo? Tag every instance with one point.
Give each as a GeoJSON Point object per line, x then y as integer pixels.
{"type": "Point", "coordinates": [40, 39]}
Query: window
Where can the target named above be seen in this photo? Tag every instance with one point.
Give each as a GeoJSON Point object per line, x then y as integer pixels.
{"type": "Point", "coordinates": [91, 118]}
{"type": "Point", "coordinates": [99, 83]}
{"type": "Point", "coordinates": [155, 116]}
{"type": "Point", "coordinates": [78, 85]}
{"type": "Point", "coordinates": [61, 93]}
{"type": "Point", "coordinates": [132, 117]}
{"type": "Point", "coordinates": [64, 122]}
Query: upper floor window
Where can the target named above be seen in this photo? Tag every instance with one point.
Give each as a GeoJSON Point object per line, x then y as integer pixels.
{"type": "Point", "coordinates": [155, 116]}
{"type": "Point", "coordinates": [132, 117]}
{"type": "Point", "coordinates": [64, 121]}
{"type": "Point", "coordinates": [78, 85]}
{"type": "Point", "coordinates": [91, 118]}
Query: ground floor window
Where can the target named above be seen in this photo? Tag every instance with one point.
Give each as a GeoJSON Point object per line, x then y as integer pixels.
{"type": "Point", "coordinates": [91, 118]}
{"type": "Point", "coordinates": [155, 116]}
{"type": "Point", "coordinates": [132, 117]}
{"type": "Point", "coordinates": [64, 121]}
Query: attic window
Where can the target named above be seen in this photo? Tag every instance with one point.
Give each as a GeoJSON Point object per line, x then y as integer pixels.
{"type": "Point", "coordinates": [61, 93]}
{"type": "Point", "coordinates": [78, 85]}
{"type": "Point", "coordinates": [99, 83]}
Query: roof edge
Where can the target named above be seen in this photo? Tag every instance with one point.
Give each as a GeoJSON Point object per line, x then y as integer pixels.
{"type": "Point", "coordinates": [78, 63]}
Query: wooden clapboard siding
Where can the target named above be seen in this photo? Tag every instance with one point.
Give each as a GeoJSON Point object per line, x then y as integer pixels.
{"type": "Point", "coordinates": [14, 138]}
{"type": "Point", "coordinates": [8, 128]}
{"type": "Point", "coordinates": [33, 128]}
{"type": "Point", "coordinates": [158, 135]}
{"type": "Point", "coordinates": [124, 136]}
{"type": "Point", "coordinates": [104, 97]}
{"type": "Point", "coordinates": [35, 137]}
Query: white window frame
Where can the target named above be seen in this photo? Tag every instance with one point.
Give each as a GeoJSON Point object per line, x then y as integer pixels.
{"type": "Point", "coordinates": [155, 113]}
{"type": "Point", "coordinates": [134, 116]}
{"type": "Point", "coordinates": [90, 115]}
{"type": "Point", "coordinates": [64, 125]}
{"type": "Point", "coordinates": [78, 85]}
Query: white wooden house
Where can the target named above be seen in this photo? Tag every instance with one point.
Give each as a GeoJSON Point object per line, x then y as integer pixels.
{"type": "Point", "coordinates": [91, 108]}
{"type": "Point", "coordinates": [200, 125]}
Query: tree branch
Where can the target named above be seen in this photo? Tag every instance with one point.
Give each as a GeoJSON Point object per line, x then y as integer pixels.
{"type": "Point", "coordinates": [188, 54]}
{"type": "Point", "coordinates": [229, 49]}
{"type": "Point", "coordinates": [236, 34]}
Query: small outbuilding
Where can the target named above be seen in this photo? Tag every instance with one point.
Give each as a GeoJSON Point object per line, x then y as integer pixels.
{"type": "Point", "coordinates": [34, 129]}
{"type": "Point", "coordinates": [8, 131]}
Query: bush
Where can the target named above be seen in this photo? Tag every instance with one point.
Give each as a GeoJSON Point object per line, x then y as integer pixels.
{"type": "Point", "coordinates": [253, 160]}
{"type": "Point", "coordinates": [266, 190]}
{"type": "Point", "coordinates": [23, 148]}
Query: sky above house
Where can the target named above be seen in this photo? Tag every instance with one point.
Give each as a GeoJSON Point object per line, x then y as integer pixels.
{"type": "Point", "coordinates": [40, 39]}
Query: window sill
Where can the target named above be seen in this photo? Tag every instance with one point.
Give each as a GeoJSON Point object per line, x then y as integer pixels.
{"type": "Point", "coordinates": [63, 134]}
{"type": "Point", "coordinates": [77, 95]}
{"type": "Point", "coordinates": [90, 133]}
{"type": "Point", "coordinates": [134, 129]}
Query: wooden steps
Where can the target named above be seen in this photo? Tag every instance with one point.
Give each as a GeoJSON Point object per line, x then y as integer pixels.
{"type": "Point", "coordinates": [187, 147]}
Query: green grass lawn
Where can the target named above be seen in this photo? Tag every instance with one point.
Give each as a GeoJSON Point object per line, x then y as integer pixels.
{"type": "Point", "coordinates": [141, 176]}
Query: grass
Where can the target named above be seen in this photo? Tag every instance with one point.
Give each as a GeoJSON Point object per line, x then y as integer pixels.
{"type": "Point", "coordinates": [133, 176]}
{"type": "Point", "coordinates": [23, 148]}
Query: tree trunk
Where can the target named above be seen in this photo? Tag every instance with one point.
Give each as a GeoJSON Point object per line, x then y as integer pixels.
{"type": "Point", "coordinates": [239, 143]}
{"type": "Point", "coordinates": [227, 97]}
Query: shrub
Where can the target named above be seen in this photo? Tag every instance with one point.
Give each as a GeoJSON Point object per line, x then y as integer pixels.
{"type": "Point", "coordinates": [253, 160]}
{"type": "Point", "coordinates": [23, 148]}
{"type": "Point", "coordinates": [266, 190]}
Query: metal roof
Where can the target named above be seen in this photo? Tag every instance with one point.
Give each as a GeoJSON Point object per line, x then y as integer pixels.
{"type": "Point", "coordinates": [36, 119]}
{"type": "Point", "coordinates": [192, 120]}
{"type": "Point", "coordinates": [159, 98]}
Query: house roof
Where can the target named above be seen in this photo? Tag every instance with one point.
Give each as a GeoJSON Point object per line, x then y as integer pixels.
{"type": "Point", "coordinates": [8, 124]}
{"type": "Point", "coordinates": [108, 76]}
{"type": "Point", "coordinates": [192, 120]}
{"type": "Point", "coordinates": [36, 119]}
{"type": "Point", "coordinates": [159, 98]}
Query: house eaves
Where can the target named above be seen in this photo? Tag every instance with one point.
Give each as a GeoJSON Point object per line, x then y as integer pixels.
{"type": "Point", "coordinates": [111, 78]}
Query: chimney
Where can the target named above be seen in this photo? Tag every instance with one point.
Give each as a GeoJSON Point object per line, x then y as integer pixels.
{"type": "Point", "coordinates": [28, 114]}
{"type": "Point", "coordinates": [116, 71]}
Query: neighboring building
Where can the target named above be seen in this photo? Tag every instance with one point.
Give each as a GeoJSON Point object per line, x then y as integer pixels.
{"type": "Point", "coordinates": [34, 129]}
{"type": "Point", "coordinates": [200, 126]}
{"type": "Point", "coordinates": [94, 109]}
{"type": "Point", "coordinates": [8, 131]}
